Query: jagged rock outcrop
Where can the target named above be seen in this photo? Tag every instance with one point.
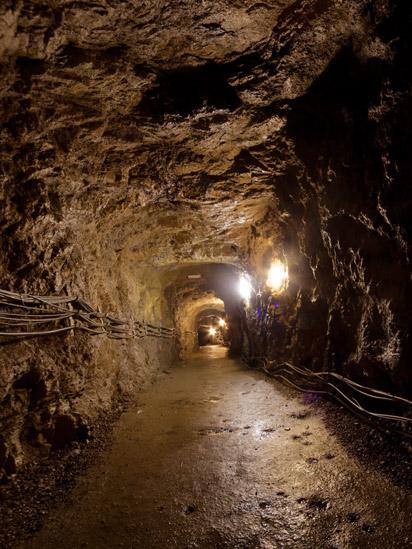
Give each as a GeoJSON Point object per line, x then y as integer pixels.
{"type": "Point", "coordinates": [141, 136]}
{"type": "Point", "coordinates": [344, 203]}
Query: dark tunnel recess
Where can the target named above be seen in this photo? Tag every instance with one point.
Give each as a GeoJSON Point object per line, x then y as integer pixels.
{"type": "Point", "coordinates": [185, 91]}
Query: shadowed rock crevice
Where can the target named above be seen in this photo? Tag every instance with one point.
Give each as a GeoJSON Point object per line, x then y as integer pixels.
{"type": "Point", "coordinates": [188, 90]}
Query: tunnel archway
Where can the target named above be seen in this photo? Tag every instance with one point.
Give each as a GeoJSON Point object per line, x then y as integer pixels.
{"type": "Point", "coordinates": [194, 288]}
{"type": "Point", "coordinates": [211, 327]}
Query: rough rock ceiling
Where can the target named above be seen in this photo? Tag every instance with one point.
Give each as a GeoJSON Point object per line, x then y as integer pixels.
{"type": "Point", "coordinates": [133, 116]}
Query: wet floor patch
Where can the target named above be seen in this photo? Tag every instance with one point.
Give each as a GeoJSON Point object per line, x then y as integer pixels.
{"type": "Point", "coordinates": [213, 399]}
{"type": "Point", "coordinates": [217, 430]}
{"type": "Point", "coordinates": [189, 479]}
{"type": "Point", "coordinates": [302, 414]}
{"type": "Point", "coordinates": [189, 509]}
{"type": "Point", "coordinates": [184, 402]}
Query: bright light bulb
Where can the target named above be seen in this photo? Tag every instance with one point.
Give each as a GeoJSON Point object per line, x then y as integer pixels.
{"type": "Point", "coordinates": [245, 287]}
{"type": "Point", "coordinates": [277, 276]}
{"type": "Point", "coordinates": [222, 322]}
{"type": "Point", "coordinates": [212, 331]}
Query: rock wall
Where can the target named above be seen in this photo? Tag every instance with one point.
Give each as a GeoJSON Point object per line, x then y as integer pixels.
{"type": "Point", "coordinates": [346, 232]}
{"type": "Point", "coordinates": [52, 391]}
{"type": "Point", "coordinates": [53, 388]}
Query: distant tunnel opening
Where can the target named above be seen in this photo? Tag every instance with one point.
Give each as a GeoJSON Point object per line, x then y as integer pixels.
{"type": "Point", "coordinates": [212, 328]}
{"type": "Point", "coordinates": [207, 306]}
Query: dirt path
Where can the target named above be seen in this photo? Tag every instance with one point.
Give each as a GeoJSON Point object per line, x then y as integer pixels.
{"type": "Point", "coordinates": [217, 455]}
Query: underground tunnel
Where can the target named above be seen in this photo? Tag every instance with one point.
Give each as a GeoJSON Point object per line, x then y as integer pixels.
{"type": "Point", "coordinates": [205, 278]}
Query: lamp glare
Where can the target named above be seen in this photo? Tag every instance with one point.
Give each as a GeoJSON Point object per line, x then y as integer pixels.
{"type": "Point", "coordinates": [245, 288]}
{"type": "Point", "coordinates": [277, 276]}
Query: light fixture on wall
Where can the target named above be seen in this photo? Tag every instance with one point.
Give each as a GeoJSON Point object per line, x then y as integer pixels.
{"type": "Point", "coordinates": [212, 331]}
{"type": "Point", "coordinates": [245, 287]}
{"type": "Point", "coordinates": [222, 322]}
{"type": "Point", "coordinates": [278, 276]}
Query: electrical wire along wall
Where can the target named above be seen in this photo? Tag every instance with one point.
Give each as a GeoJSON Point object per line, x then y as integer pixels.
{"type": "Point", "coordinates": [393, 412]}
{"type": "Point", "coordinates": [23, 316]}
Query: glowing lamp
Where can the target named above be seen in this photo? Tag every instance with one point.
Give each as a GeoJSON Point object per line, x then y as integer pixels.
{"type": "Point", "coordinates": [245, 287]}
{"type": "Point", "coordinates": [277, 276]}
{"type": "Point", "coordinates": [212, 331]}
{"type": "Point", "coordinates": [222, 323]}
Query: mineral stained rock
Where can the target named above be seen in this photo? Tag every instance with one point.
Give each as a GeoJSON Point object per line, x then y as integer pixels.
{"type": "Point", "coordinates": [142, 139]}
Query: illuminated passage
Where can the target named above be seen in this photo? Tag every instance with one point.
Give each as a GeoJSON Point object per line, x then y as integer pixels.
{"type": "Point", "coordinates": [218, 455]}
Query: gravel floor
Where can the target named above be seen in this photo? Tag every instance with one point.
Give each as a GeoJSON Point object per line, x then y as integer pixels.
{"type": "Point", "coordinates": [29, 498]}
